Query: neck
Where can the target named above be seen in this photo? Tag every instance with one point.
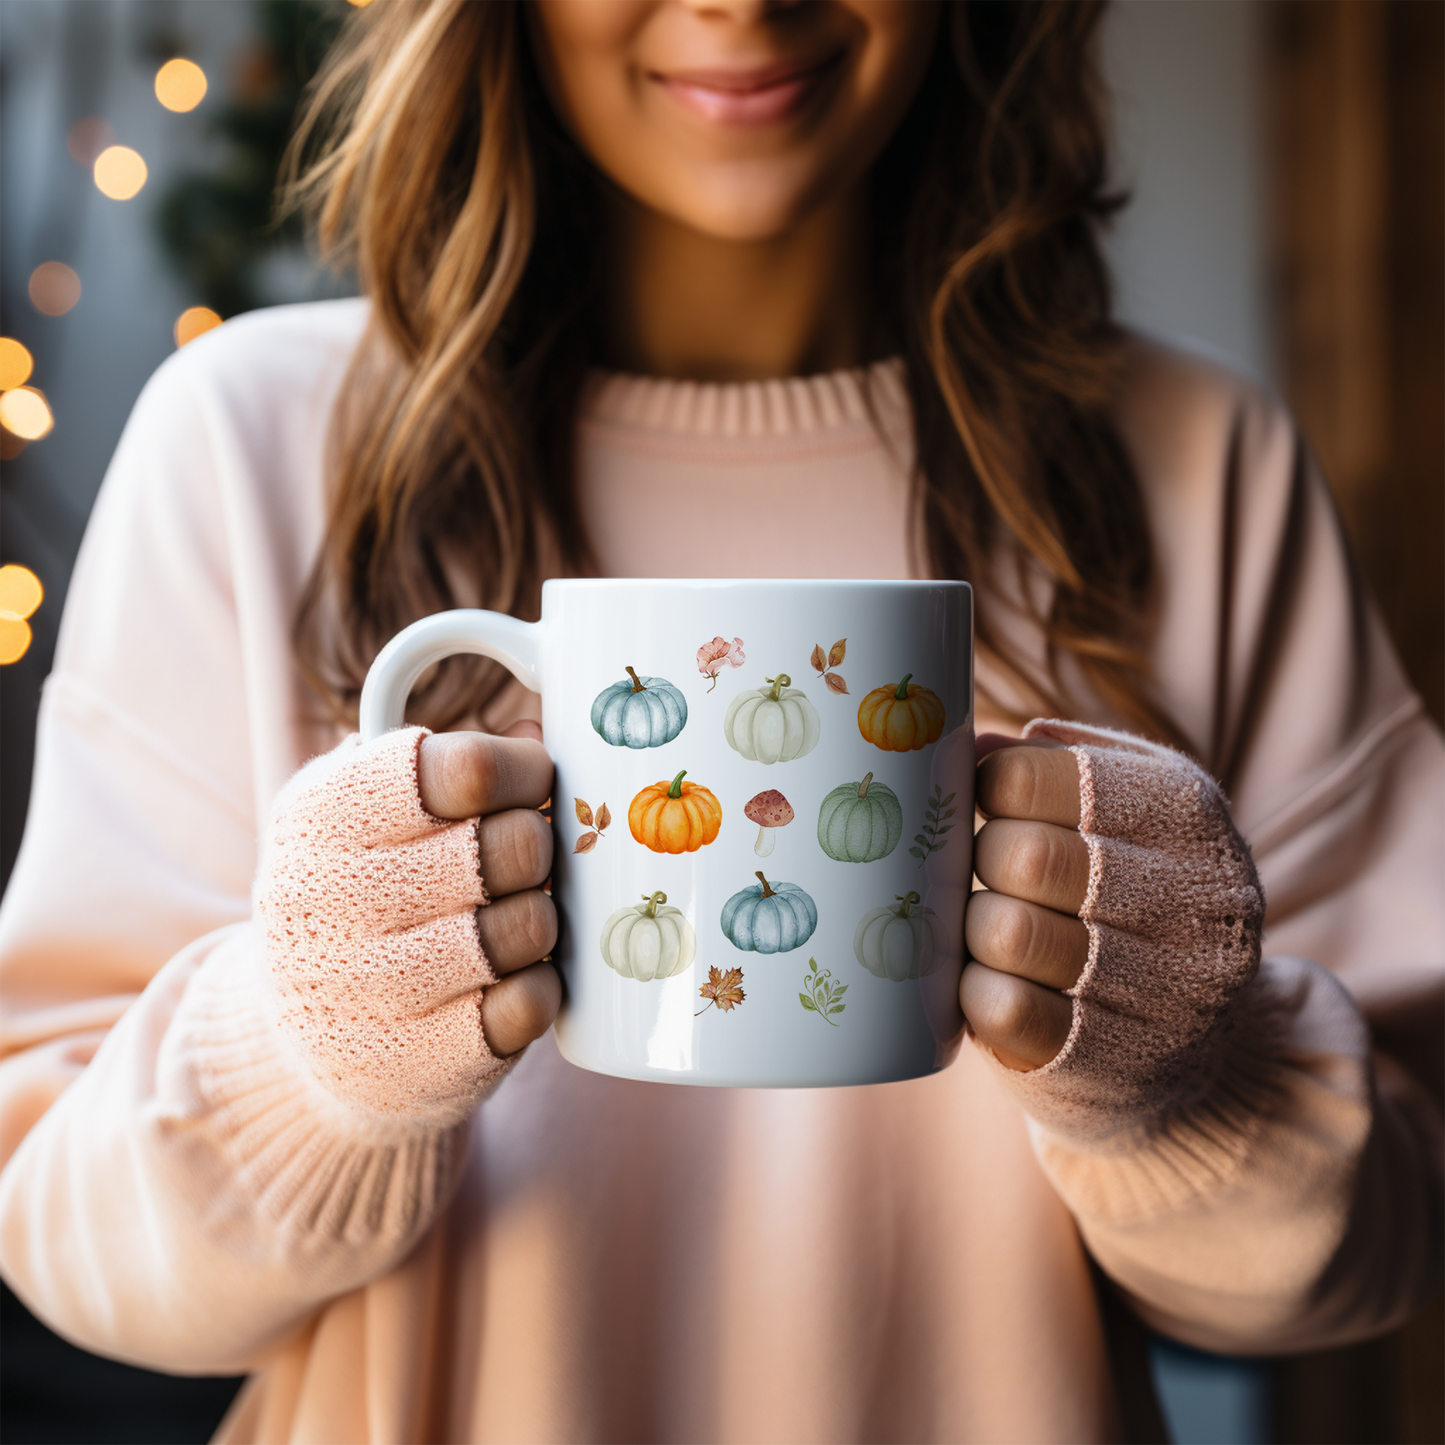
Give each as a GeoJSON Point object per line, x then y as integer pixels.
{"type": "Point", "coordinates": [684, 304]}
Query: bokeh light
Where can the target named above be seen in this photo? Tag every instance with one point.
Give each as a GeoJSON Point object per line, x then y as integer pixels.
{"type": "Point", "coordinates": [119, 172]}
{"type": "Point", "coordinates": [87, 138]}
{"type": "Point", "coordinates": [20, 594]}
{"type": "Point", "coordinates": [180, 85]}
{"type": "Point", "coordinates": [193, 322]}
{"type": "Point", "coordinates": [16, 364]}
{"type": "Point", "coordinates": [25, 412]}
{"type": "Point", "coordinates": [360, 4]}
{"type": "Point", "coordinates": [54, 288]}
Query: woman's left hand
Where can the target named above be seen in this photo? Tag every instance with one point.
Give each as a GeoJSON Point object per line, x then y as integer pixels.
{"type": "Point", "coordinates": [1024, 933]}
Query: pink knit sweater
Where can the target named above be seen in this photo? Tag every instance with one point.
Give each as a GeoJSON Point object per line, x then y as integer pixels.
{"type": "Point", "coordinates": [213, 1165]}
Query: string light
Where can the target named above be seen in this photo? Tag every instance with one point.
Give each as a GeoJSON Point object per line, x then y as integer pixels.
{"type": "Point", "coordinates": [180, 85]}
{"type": "Point", "coordinates": [119, 172]}
{"type": "Point", "coordinates": [194, 321]}
{"type": "Point", "coordinates": [16, 364]}
{"type": "Point", "coordinates": [20, 594]}
{"type": "Point", "coordinates": [54, 288]}
{"type": "Point", "coordinates": [25, 412]}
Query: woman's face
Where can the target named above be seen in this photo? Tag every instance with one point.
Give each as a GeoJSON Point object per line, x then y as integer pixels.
{"type": "Point", "coordinates": [734, 117]}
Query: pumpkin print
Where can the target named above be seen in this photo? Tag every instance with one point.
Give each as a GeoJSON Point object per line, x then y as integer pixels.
{"type": "Point", "coordinates": [648, 941]}
{"type": "Point", "coordinates": [772, 724]}
{"type": "Point", "coordinates": [860, 822]}
{"type": "Point", "coordinates": [643, 713]}
{"type": "Point", "coordinates": [896, 941]}
{"type": "Point", "coordinates": [675, 817]}
{"type": "Point", "coordinates": [900, 719]}
{"type": "Point", "coordinates": [769, 917]}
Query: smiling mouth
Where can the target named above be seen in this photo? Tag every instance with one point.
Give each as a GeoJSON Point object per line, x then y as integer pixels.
{"type": "Point", "coordinates": [760, 95]}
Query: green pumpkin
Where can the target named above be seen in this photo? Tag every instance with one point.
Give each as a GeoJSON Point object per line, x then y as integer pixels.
{"type": "Point", "coordinates": [860, 822]}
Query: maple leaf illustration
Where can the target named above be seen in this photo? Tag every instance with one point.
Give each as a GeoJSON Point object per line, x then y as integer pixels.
{"type": "Point", "coordinates": [723, 989]}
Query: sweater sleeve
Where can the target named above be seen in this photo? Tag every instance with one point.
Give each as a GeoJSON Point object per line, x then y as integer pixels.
{"type": "Point", "coordinates": [1241, 1156]}
{"type": "Point", "coordinates": [187, 1173]}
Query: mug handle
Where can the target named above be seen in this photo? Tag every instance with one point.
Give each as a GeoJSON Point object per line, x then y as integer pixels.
{"type": "Point", "coordinates": [516, 645]}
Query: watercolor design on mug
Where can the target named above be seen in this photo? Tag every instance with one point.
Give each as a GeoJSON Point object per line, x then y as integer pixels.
{"type": "Point", "coordinates": [769, 917]}
{"type": "Point", "coordinates": [901, 719]}
{"type": "Point", "coordinates": [724, 988]}
{"type": "Point", "coordinates": [825, 993]}
{"type": "Point", "coordinates": [896, 941]}
{"type": "Point", "coordinates": [860, 822]}
{"type": "Point", "coordinates": [648, 941]}
{"type": "Point", "coordinates": [712, 655]}
{"type": "Point", "coordinates": [935, 825]}
{"type": "Point", "coordinates": [643, 713]}
{"type": "Point", "coordinates": [675, 817]}
{"type": "Point", "coordinates": [824, 666]}
{"type": "Point", "coordinates": [772, 724]}
{"type": "Point", "coordinates": [588, 841]}
{"type": "Point", "coordinates": [770, 811]}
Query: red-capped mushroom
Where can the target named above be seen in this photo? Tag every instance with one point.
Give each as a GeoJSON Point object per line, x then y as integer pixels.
{"type": "Point", "coordinates": [768, 810]}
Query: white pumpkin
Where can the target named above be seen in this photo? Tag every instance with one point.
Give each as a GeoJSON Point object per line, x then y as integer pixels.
{"type": "Point", "coordinates": [772, 724]}
{"type": "Point", "coordinates": [648, 941]}
{"type": "Point", "coordinates": [896, 943]}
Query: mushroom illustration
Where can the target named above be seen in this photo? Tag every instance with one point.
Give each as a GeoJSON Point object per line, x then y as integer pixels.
{"type": "Point", "coordinates": [768, 810]}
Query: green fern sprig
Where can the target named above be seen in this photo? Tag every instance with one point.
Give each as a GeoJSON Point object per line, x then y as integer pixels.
{"type": "Point", "coordinates": [935, 825]}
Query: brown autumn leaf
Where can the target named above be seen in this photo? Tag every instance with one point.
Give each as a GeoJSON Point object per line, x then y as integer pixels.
{"type": "Point", "coordinates": [723, 989]}
{"type": "Point", "coordinates": [586, 843]}
{"type": "Point", "coordinates": [819, 664]}
{"type": "Point", "coordinates": [836, 652]}
{"type": "Point", "coordinates": [603, 818]}
{"type": "Point", "coordinates": [835, 683]}
{"type": "Point", "coordinates": [584, 813]}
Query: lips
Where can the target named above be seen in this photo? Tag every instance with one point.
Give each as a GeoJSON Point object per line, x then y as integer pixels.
{"type": "Point", "coordinates": [756, 95]}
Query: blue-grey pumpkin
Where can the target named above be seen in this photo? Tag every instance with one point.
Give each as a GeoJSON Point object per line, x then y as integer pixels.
{"type": "Point", "coordinates": [860, 822]}
{"type": "Point", "coordinates": [769, 917]}
{"type": "Point", "coordinates": [643, 713]}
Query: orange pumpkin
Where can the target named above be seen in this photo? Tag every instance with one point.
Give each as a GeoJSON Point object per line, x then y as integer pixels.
{"type": "Point", "coordinates": [900, 719]}
{"type": "Point", "coordinates": [675, 817]}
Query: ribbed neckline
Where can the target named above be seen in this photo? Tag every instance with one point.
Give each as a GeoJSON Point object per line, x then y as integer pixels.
{"type": "Point", "coordinates": [795, 406]}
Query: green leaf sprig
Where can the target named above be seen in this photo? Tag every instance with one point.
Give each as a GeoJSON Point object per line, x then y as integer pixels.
{"type": "Point", "coordinates": [826, 993]}
{"type": "Point", "coordinates": [931, 839]}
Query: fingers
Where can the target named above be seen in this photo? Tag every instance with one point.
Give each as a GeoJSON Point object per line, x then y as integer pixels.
{"type": "Point", "coordinates": [520, 1008]}
{"type": "Point", "coordinates": [1024, 1024]}
{"type": "Point", "coordinates": [1022, 939]}
{"type": "Point", "coordinates": [516, 851]}
{"type": "Point", "coordinates": [463, 774]}
{"type": "Point", "coordinates": [1040, 784]}
{"type": "Point", "coordinates": [517, 930]}
{"type": "Point", "coordinates": [1038, 862]}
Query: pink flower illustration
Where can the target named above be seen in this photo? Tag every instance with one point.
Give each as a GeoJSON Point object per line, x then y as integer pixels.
{"type": "Point", "coordinates": [712, 655]}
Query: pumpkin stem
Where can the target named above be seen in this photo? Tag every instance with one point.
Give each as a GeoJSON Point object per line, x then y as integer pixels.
{"type": "Point", "coordinates": [675, 791]}
{"type": "Point", "coordinates": [901, 694]}
{"type": "Point", "coordinates": [863, 786]}
{"type": "Point", "coordinates": [652, 904]}
{"type": "Point", "coordinates": [637, 683]}
{"type": "Point", "coordinates": [907, 902]}
{"type": "Point", "coordinates": [779, 682]}
{"type": "Point", "coordinates": [767, 887]}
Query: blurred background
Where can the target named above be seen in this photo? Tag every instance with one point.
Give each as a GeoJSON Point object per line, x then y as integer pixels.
{"type": "Point", "coordinates": [1287, 161]}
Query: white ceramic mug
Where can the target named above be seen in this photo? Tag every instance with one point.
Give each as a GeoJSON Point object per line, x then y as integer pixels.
{"type": "Point", "coordinates": [763, 816]}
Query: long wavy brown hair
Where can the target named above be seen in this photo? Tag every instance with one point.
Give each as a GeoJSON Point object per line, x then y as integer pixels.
{"type": "Point", "coordinates": [432, 161]}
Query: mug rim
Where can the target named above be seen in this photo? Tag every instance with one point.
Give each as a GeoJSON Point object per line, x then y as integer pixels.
{"type": "Point", "coordinates": [569, 583]}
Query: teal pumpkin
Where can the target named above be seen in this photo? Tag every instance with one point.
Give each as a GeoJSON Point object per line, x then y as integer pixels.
{"type": "Point", "coordinates": [769, 917]}
{"type": "Point", "coordinates": [643, 713]}
{"type": "Point", "coordinates": [860, 822]}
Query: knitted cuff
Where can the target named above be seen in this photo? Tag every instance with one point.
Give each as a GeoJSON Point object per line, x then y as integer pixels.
{"type": "Point", "coordinates": [1174, 912]}
{"type": "Point", "coordinates": [369, 905]}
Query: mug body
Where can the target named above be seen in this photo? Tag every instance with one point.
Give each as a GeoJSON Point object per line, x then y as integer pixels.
{"type": "Point", "coordinates": [764, 824]}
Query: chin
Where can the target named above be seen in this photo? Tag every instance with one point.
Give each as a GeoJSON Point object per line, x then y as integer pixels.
{"type": "Point", "coordinates": [743, 205]}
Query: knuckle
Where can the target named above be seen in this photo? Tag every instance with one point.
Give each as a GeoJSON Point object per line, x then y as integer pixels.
{"type": "Point", "coordinates": [997, 1006]}
{"type": "Point", "coordinates": [1011, 929]}
{"type": "Point", "coordinates": [539, 923]}
{"type": "Point", "coordinates": [530, 840]}
{"type": "Point", "coordinates": [478, 773]}
{"type": "Point", "coordinates": [1031, 859]}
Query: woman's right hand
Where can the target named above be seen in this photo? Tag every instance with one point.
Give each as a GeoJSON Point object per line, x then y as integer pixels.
{"type": "Point", "coordinates": [503, 781]}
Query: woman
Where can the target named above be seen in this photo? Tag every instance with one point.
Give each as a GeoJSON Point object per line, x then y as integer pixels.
{"type": "Point", "coordinates": [596, 237]}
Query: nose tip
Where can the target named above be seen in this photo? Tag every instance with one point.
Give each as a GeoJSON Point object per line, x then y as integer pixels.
{"type": "Point", "coordinates": [743, 12]}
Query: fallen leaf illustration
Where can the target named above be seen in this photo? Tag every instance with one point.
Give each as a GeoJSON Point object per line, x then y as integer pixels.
{"type": "Point", "coordinates": [586, 843]}
{"type": "Point", "coordinates": [603, 817]}
{"type": "Point", "coordinates": [835, 683]}
{"type": "Point", "coordinates": [835, 654]}
{"type": "Point", "coordinates": [584, 813]}
{"type": "Point", "coordinates": [820, 663]}
{"type": "Point", "coordinates": [723, 989]}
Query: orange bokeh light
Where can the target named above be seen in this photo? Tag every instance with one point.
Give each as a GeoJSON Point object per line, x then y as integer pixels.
{"type": "Point", "coordinates": [180, 85]}
{"type": "Point", "coordinates": [54, 288]}
{"type": "Point", "coordinates": [20, 594]}
{"type": "Point", "coordinates": [119, 172]}
{"type": "Point", "coordinates": [16, 364]}
{"type": "Point", "coordinates": [194, 321]}
{"type": "Point", "coordinates": [14, 640]}
{"type": "Point", "coordinates": [25, 412]}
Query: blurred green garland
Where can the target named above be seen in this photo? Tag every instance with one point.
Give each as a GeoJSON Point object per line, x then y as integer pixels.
{"type": "Point", "coordinates": [217, 226]}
